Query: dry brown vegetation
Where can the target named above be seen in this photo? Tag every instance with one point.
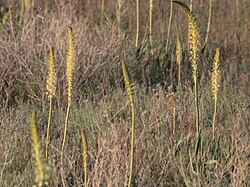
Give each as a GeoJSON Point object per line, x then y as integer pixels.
{"type": "Point", "coordinates": [165, 141]}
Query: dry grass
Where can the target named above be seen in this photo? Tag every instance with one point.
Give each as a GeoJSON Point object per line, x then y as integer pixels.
{"type": "Point", "coordinates": [108, 127]}
{"type": "Point", "coordinates": [161, 157]}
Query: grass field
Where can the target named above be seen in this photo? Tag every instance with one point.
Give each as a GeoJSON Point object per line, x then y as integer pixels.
{"type": "Point", "coordinates": [169, 116]}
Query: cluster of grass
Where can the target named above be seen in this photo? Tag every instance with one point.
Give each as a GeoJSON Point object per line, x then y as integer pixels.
{"type": "Point", "coordinates": [107, 125]}
{"type": "Point", "coordinates": [198, 136]}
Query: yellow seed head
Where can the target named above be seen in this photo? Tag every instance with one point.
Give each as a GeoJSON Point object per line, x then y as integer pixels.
{"type": "Point", "coordinates": [70, 63]}
{"type": "Point", "coordinates": [51, 77]}
{"type": "Point", "coordinates": [85, 146]}
{"type": "Point", "coordinates": [178, 50]}
{"type": "Point", "coordinates": [193, 36]}
{"type": "Point", "coordinates": [216, 74]}
{"type": "Point", "coordinates": [127, 83]}
{"type": "Point", "coordinates": [42, 170]}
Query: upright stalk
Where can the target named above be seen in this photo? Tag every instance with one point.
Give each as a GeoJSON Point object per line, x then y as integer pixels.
{"type": "Point", "coordinates": [196, 107]}
{"type": "Point", "coordinates": [191, 5]}
{"type": "Point", "coordinates": [132, 146]}
{"type": "Point", "coordinates": [137, 22]}
{"type": "Point", "coordinates": [130, 94]}
{"type": "Point", "coordinates": [151, 24]}
{"type": "Point", "coordinates": [169, 24]}
{"type": "Point", "coordinates": [119, 16]}
{"type": "Point", "coordinates": [214, 117]}
{"type": "Point", "coordinates": [208, 22]}
{"type": "Point", "coordinates": [85, 157]}
{"type": "Point", "coordinates": [48, 128]}
{"type": "Point", "coordinates": [65, 128]}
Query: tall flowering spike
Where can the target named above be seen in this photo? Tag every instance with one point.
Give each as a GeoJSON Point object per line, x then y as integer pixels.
{"type": "Point", "coordinates": [216, 74]}
{"type": "Point", "coordinates": [193, 40]}
{"type": "Point", "coordinates": [179, 58]}
{"type": "Point", "coordinates": [51, 78]}
{"type": "Point", "coordinates": [130, 94]}
{"type": "Point", "coordinates": [127, 83]}
{"type": "Point", "coordinates": [70, 63]}
{"type": "Point", "coordinates": [193, 36]}
{"type": "Point", "coordinates": [178, 50]}
{"type": "Point", "coordinates": [42, 170]}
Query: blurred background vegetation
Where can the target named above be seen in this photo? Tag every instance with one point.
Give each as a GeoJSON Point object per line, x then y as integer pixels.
{"type": "Point", "coordinates": [29, 28]}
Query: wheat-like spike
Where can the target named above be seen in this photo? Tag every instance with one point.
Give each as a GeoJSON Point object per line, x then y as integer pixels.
{"type": "Point", "coordinates": [51, 87]}
{"type": "Point", "coordinates": [69, 74]}
{"type": "Point", "coordinates": [178, 50]}
{"type": "Point", "coordinates": [42, 170]}
{"type": "Point", "coordinates": [85, 156]}
{"type": "Point", "coordinates": [51, 80]}
{"type": "Point", "coordinates": [127, 83]}
{"type": "Point", "coordinates": [216, 74]}
{"type": "Point", "coordinates": [215, 84]}
{"type": "Point", "coordinates": [70, 63]}
{"type": "Point", "coordinates": [193, 36]}
{"type": "Point", "coordinates": [179, 58]}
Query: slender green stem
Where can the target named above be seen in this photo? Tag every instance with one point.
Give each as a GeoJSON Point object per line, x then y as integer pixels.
{"type": "Point", "coordinates": [174, 116]}
{"type": "Point", "coordinates": [151, 25]}
{"type": "Point", "coordinates": [169, 24]}
{"type": "Point", "coordinates": [132, 146]}
{"type": "Point", "coordinates": [208, 22]}
{"type": "Point", "coordinates": [179, 76]}
{"type": "Point", "coordinates": [85, 176]}
{"type": "Point", "coordinates": [48, 128]}
{"type": "Point", "coordinates": [137, 22]}
{"type": "Point", "coordinates": [191, 5]}
{"type": "Point", "coordinates": [85, 155]}
{"type": "Point", "coordinates": [196, 106]}
{"type": "Point", "coordinates": [215, 110]}
{"type": "Point", "coordinates": [65, 129]}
